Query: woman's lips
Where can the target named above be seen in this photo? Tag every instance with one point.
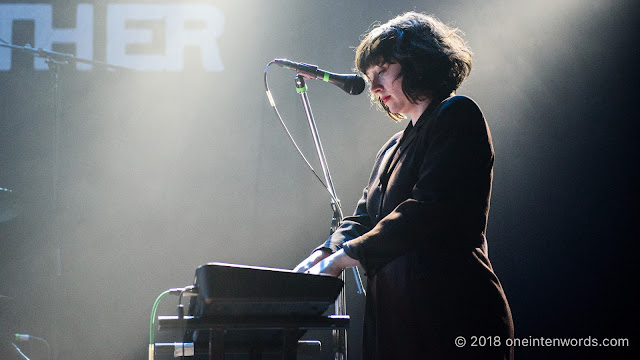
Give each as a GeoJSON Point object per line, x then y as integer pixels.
{"type": "Point", "coordinates": [385, 98]}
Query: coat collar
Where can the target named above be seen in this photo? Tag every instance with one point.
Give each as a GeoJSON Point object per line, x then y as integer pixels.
{"type": "Point", "coordinates": [408, 137]}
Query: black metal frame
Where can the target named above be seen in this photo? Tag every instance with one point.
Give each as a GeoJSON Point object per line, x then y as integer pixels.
{"type": "Point", "coordinates": [291, 328]}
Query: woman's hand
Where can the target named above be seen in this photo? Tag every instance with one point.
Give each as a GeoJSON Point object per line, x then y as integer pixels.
{"type": "Point", "coordinates": [313, 259]}
{"type": "Point", "coordinates": [334, 264]}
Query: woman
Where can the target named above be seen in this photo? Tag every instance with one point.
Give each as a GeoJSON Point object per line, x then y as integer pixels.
{"type": "Point", "coordinates": [419, 229]}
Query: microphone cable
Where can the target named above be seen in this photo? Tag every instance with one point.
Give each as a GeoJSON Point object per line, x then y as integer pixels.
{"type": "Point", "coordinates": [26, 337]}
{"type": "Point", "coordinates": [273, 105]}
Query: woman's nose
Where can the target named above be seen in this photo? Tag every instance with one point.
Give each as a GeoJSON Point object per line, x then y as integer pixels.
{"type": "Point", "coordinates": [375, 85]}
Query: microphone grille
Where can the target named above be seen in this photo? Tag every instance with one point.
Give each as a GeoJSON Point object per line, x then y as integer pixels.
{"type": "Point", "coordinates": [356, 85]}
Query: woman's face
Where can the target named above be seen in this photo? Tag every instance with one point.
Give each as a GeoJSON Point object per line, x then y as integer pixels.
{"type": "Point", "coordinates": [386, 84]}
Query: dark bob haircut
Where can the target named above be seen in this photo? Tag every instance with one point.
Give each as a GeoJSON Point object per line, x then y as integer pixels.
{"type": "Point", "coordinates": [434, 57]}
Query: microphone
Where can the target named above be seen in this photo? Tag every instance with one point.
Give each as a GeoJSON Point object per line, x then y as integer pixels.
{"type": "Point", "coordinates": [351, 83]}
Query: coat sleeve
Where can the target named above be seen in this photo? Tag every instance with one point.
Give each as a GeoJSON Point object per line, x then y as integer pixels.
{"type": "Point", "coordinates": [351, 227]}
{"type": "Point", "coordinates": [449, 202]}
{"type": "Point", "coordinates": [360, 222]}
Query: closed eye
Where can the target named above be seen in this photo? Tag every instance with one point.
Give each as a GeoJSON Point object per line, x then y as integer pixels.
{"type": "Point", "coordinates": [377, 70]}
{"type": "Point", "coordinates": [384, 67]}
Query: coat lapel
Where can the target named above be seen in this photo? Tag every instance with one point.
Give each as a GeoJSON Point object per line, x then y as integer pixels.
{"type": "Point", "coordinates": [407, 138]}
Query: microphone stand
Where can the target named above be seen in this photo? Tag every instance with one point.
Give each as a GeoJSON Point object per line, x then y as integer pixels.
{"type": "Point", "coordinates": [62, 58]}
{"type": "Point", "coordinates": [55, 61]}
{"type": "Point", "coordinates": [339, 336]}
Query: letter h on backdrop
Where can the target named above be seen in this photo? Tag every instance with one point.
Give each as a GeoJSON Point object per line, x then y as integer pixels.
{"type": "Point", "coordinates": [197, 25]}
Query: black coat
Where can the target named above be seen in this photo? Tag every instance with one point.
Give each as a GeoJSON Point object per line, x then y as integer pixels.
{"type": "Point", "coordinates": [419, 233]}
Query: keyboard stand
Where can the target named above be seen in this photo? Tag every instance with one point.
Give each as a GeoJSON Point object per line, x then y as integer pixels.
{"type": "Point", "coordinates": [291, 327]}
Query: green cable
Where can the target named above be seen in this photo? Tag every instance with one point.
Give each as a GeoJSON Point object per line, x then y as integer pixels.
{"type": "Point", "coordinates": [152, 323]}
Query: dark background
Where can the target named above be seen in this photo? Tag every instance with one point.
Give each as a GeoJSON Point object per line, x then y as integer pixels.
{"type": "Point", "coordinates": [158, 172]}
